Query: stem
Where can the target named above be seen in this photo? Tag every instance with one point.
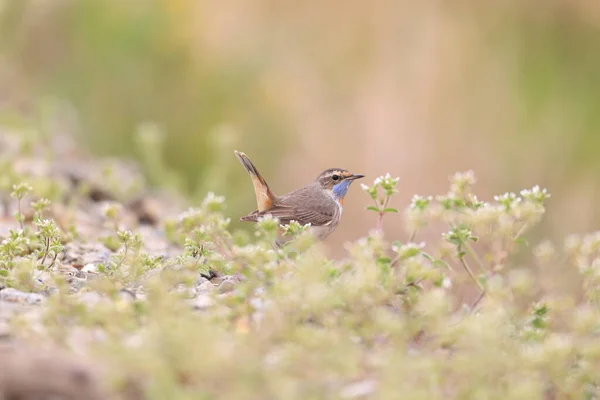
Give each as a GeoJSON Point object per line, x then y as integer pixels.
{"type": "Point", "coordinates": [520, 232]}
{"type": "Point", "coordinates": [481, 296]}
{"type": "Point", "coordinates": [412, 235]}
{"type": "Point", "coordinates": [475, 256]}
{"type": "Point", "coordinates": [124, 256]}
{"type": "Point", "coordinates": [46, 250]}
{"type": "Point", "coordinates": [53, 260]}
{"type": "Point", "coordinates": [20, 215]}
{"type": "Point", "coordinates": [382, 207]}
{"type": "Point", "coordinates": [481, 267]}
{"type": "Point", "coordinates": [408, 285]}
{"type": "Point", "coordinates": [470, 272]}
{"type": "Point", "coordinates": [380, 221]}
{"type": "Point", "coordinates": [387, 200]}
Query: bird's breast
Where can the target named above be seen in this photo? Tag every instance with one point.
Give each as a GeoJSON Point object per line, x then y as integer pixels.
{"type": "Point", "coordinates": [339, 201]}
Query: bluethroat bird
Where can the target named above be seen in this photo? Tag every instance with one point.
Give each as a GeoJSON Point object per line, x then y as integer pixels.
{"type": "Point", "coordinates": [319, 203]}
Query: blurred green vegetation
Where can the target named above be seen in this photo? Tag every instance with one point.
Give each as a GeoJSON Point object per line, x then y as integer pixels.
{"type": "Point", "coordinates": [133, 303]}
{"type": "Point", "coordinates": [276, 79]}
{"type": "Point", "coordinates": [122, 66]}
{"type": "Point", "coordinates": [559, 60]}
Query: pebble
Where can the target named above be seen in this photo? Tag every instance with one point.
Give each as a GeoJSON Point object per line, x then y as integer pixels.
{"type": "Point", "coordinates": [126, 295]}
{"type": "Point", "coordinates": [205, 287]}
{"type": "Point", "coordinates": [90, 268]}
{"type": "Point", "coordinates": [226, 286]}
{"type": "Point", "coordinates": [200, 280]}
{"type": "Point", "coordinates": [359, 389]}
{"type": "Point", "coordinates": [189, 292]}
{"type": "Point", "coordinates": [89, 298]}
{"type": "Point", "coordinates": [16, 296]}
{"type": "Point", "coordinates": [202, 301]}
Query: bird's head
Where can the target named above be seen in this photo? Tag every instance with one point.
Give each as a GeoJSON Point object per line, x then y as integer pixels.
{"type": "Point", "coordinates": [337, 181]}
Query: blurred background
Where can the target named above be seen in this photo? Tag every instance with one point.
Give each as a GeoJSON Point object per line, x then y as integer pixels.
{"type": "Point", "coordinates": [421, 90]}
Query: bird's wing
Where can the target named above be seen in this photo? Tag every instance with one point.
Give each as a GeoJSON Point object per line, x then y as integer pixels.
{"type": "Point", "coordinates": [304, 205]}
{"type": "Point", "coordinates": [285, 214]}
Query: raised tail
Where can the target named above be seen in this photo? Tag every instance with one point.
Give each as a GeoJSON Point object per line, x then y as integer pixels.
{"type": "Point", "coordinates": [264, 196]}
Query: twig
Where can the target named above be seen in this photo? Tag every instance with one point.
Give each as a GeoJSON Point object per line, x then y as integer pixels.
{"type": "Point", "coordinates": [379, 221]}
{"type": "Point", "coordinates": [520, 231]}
{"type": "Point", "coordinates": [21, 218]}
{"type": "Point", "coordinates": [481, 288]}
{"type": "Point", "coordinates": [470, 272]}
{"type": "Point", "coordinates": [382, 213]}
{"type": "Point", "coordinates": [412, 235]}
{"type": "Point", "coordinates": [414, 284]}
{"type": "Point", "coordinates": [481, 296]}
{"type": "Point", "coordinates": [46, 250]}
{"type": "Point", "coordinates": [53, 260]}
{"type": "Point", "coordinates": [475, 256]}
{"type": "Point", "coordinates": [124, 255]}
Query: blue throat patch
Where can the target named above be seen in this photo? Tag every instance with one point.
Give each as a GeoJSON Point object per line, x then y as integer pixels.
{"type": "Point", "coordinates": [341, 189]}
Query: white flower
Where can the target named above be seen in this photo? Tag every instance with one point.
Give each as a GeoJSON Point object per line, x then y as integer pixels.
{"type": "Point", "coordinates": [447, 283]}
{"type": "Point", "coordinates": [408, 250]}
{"type": "Point", "coordinates": [535, 194]}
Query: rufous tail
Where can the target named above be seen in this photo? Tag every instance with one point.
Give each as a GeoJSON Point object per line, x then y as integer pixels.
{"type": "Point", "coordinates": [264, 196]}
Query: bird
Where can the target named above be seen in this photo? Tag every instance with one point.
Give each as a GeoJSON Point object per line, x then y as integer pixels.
{"type": "Point", "coordinates": [319, 203]}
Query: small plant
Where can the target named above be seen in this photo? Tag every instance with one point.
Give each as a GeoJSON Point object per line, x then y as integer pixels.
{"type": "Point", "coordinates": [16, 244]}
{"type": "Point", "coordinates": [49, 234]}
{"type": "Point", "coordinates": [461, 237]}
{"type": "Point", "coordinates": [39, 207]}
{"type": "Point", "coordinates": [382, 190]}
{"type": "Point", "coordinates": [536, 326]}
{"type": "Point", "coordinates": [19, 192]}
{"type": "Point", "coordinates": [113, 211]}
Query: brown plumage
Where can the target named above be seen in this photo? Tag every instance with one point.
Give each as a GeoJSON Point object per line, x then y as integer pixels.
{"type": "Point", "coordinates": [317, 203]}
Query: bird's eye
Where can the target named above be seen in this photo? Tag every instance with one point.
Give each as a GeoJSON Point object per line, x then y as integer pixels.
{"type": "Point", "coordinates": [335, 177]}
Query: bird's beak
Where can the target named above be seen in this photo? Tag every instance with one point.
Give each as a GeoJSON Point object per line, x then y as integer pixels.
{"type": "Point", "coordinates": [355, 176]}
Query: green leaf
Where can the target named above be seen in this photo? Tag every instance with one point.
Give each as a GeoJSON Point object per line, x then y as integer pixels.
{"type": "Point", "coordinates": [541, 310]}
{"type": "Point", "coordinates": [521, 241]}
{"type": "Point", "coordinates": [3, 272]}
{"type": "Point", "coordinates": [441, 263]}
{"type": "Point", "coordinates": [538, 323]}
{"type": "Point", "coordinates": [373, 208]}
{"type": "Point", "coordinates": [334, 273]}
{"type": "Point", "coordinates": [385, 260]}
{"type": "Point", "coordinates": [458, 203]}
{"type": "Point", "coordinates": [386, 210]}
